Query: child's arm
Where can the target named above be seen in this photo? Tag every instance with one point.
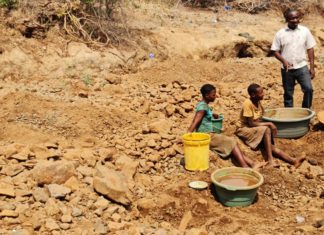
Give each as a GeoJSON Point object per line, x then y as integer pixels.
{"type": "Point", "coordinates": [197, 119]}
{"type": "Point", "coordinates": [254, 123]}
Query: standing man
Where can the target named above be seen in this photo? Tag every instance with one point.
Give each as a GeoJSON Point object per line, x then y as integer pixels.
{"type": "Point", "coordinates": [289, 47]}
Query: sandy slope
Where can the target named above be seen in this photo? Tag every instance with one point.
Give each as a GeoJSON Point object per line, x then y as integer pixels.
{"type": "Point", "coordinates": [97, 107]}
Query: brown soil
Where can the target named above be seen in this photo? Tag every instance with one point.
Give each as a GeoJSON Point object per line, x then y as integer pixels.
{"type": "Point", "coordinates": [65, 93]}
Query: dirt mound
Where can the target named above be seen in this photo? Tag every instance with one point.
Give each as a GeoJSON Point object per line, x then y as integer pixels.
{"type": "Point", "coordinates": [91, 138]}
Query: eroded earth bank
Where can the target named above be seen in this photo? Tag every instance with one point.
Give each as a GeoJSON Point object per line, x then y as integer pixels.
{"type": "Point", "coordinates": [90, 138]}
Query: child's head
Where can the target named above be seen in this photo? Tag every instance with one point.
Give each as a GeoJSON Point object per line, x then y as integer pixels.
{"type": "Point", "coordinates": [255, 91]}
{"type": "Point", "coordinates": [208, 92]}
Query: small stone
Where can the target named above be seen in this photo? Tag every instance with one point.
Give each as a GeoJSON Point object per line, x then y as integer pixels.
{"type": "Point", "coordinates": [88, 180]}
{"type": "Point", "coordinates": [101, 203]}
{"type": "Point", "coordinates": [66, 218]}
{"type": "Point", "coordinates": [121, 209]}
{"type": "Point", "coordinates": [73, 184]}
{"type": "Point", "coordinates": [100, 228]}
{"type": "Point", "coordinates": [309, 175]}
{"type": "Point", "coordinates": [187, 107]}
{"type": "Point", "coordinates": [161, 231]}
{"type": "Point", "coordinates": [114, 226]}
{"type": "Point", "coordinates": [165, 144]}
{"type": "Point", "coordinates": [170, 109]}
{"type": "Point", "coordinates": [23, 193]}
{"type": "Point", "coordinates": [7, 189]}
{"type": "Point", "coordinates": [65, 226]}
{"type": "Point", "coordinates": [20, 232]}
{"type": "Point", "coordinates": [36, 221]}
{"type": "Point", "coordinates": [313, 162]}
{"type": "Point", "coordinates": [114, 80]}
{"type": "Point", "coordinates": [98, 212]}
{"type": "Point", "coordinates": [20, 157]}
{"type": "Point", "coordinates": [127, 166]}
{"type": "Point", "coordinates": [12, 170]}
{"type": "Point", "coordinates": [76, 212]}
{"type": "Point", "coordinates": [151, 143]}
{"type": "Point", "coordinates": [197, 231]}
{"type": "Point", "coordinates": [178, 149]}
{"type": "Point", "coordinates": [9, 150]}
{"type": "Point", "coordinates": [306, 229]}
{"type": "Point", "coordinates": [51, 224]}
{"type": "Point", "coordinates": [9, 213]}
{"type": "Point", "coordinates": [51, 145]}
{"type": "Point", "coordinates": [23, 209]}
{"type": "Point", "coordinates": [83, 94]}
{"type": "Point", "coordinates": [202, 201]}
{"type": "Point", "coordinates": [112, 209]}
{"type": "Point", "coordinates": [160, 126]}
{"type": "Point", "coordinates": [86, 171]}
{"type": "Point", "coordinates": [7, 206]}
{"type": "Point", "coordinates": [40, 195]}
{"type": "Point", "coordinates": [300, 219]}
{"type": "Point", "coordinates": [58, 191]}
{"type": "Point", "coordinates": [145, 129]}
{"type": "Point", "coordinates": [319, 223]}
{"type": "Point", "coordinates": [116, 217]}
{"type": "Point", "coordinates": [155, 158]}
{"type": "Point", "coordinates": [51, 207]}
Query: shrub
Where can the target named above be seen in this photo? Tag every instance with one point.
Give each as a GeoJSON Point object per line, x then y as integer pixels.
{"type": "Point", "coordinates": [256, 6]}
{"type": "Point", "coordinates": [8, 3]}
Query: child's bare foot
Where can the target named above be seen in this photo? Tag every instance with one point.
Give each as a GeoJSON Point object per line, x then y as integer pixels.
{"type": "Point", "coordinates": [258, 165]}
{"type": "Point", "coordinates": [299, 160]}
{"type": "Point", "coordinates": [273, 164]}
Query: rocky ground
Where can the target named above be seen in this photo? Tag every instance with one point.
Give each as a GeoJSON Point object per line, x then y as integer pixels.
{"type": "Point", "coordinates": [91, 139]}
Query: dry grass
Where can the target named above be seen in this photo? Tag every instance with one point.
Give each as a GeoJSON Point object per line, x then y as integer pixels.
{"type": "Point", "coordinates": [256, 6]}
{"type": "Point", "coordinates": [104, 22]}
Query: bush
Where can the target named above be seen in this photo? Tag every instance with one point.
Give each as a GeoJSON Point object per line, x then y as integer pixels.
{"type": "Point", "coordinates": [100, 8]}
{"type": "Point", "coordinates": [256, 6]}
{"type": "Point", "coordinates": [8, 3]}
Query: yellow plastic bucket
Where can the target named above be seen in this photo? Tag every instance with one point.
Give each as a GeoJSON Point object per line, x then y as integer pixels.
{"type": "Point", "coordinates": [196, 151]}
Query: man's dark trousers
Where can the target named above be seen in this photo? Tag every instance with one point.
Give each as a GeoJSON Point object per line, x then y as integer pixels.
{"type": "Point", "coordinates": [303, 77]}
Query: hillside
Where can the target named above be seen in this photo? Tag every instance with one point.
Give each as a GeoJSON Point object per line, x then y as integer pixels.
{"type": "Point", "coordinates": [90, 135]}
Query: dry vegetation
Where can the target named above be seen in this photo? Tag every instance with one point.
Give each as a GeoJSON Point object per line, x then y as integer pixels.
{"type": "Point", "coordinates": [104, 22]}
{"type": "Point", "coordinates": [95, 90]}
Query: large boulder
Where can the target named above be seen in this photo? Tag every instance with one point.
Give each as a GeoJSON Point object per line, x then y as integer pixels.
{"type": "Point", "coordinates": [46, 172]}
{"type": "Point", "coordinates": [112, 184]}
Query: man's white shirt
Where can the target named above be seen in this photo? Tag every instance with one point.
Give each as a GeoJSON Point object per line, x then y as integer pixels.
{"type": "Point", "coordinates": [293, 45]}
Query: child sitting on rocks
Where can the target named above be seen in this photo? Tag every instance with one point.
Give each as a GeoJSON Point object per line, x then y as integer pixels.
{"type": "Point", "coordinates": [258, 134]}
{"type": "Point", "coordinates": [221, 144]}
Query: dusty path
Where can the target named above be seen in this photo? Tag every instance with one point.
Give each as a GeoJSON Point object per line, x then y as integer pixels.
{"type": "Point", "coordinates": [62, 101]}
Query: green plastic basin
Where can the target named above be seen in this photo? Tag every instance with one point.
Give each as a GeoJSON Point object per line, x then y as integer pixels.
{"type": "Point", "coordinates": [290, 122]}
{"type": "Point", "coordinates": [236, 196]}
